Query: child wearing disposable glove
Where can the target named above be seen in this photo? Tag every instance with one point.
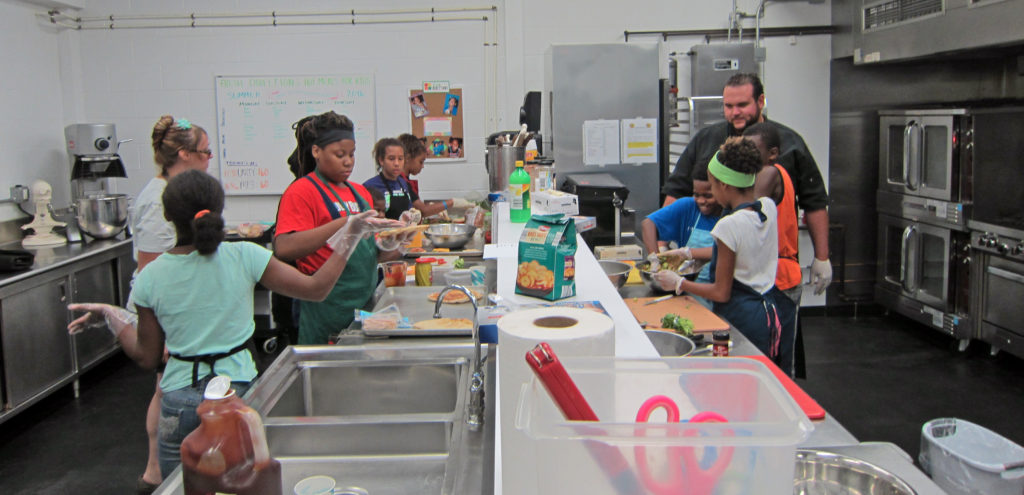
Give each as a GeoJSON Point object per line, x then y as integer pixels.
{"type": "Point", "coordinates": [688, 223]}
{"type": "Point", "coordinates": [197, 298]}
{"type": "Point", "coordinates": [399, 195]}
{"type": "Point", "coordinates": [313, 208]}
{"type": "Point", "coordinates": [745, 257]}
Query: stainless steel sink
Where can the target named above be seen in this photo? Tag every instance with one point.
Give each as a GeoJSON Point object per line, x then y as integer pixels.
{"type": "Point", "coordinates": [387, 417]}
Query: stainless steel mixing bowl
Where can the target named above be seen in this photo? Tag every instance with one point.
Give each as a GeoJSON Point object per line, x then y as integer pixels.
{"type": "Point", "coordinates": [669, 344]}
{"type": "Point", "coordinates": [616, 271]}
{"type": "Point", "coordinates": [102, 217]}
{"type": "Point", "coordinates": [825, 473]}
{"type": "Point", "coordinates": [449, 235]}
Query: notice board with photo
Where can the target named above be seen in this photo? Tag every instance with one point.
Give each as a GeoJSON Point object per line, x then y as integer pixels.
{"type": "Point", "coordinates": [254, 124]}
{"type": "Point", "coordinates": [437, 121]}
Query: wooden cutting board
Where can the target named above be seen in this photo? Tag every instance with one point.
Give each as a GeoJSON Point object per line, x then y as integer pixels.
{"type": "Point", "coordinates": [703, 319]}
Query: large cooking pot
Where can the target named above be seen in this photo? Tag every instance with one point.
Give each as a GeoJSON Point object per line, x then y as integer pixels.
{"type": "Point", "coordinates": [102, 217]}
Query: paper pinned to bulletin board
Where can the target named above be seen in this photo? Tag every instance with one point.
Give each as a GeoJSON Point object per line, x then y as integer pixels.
{"type": "Point", "coordinates": [436, 112]}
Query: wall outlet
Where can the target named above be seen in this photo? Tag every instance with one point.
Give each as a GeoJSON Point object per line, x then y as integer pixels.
{"type": "Point", "coordinates": [19, 194]}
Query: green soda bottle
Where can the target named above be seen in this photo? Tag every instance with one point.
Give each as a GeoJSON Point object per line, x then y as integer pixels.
{"type": "Point", "coordinates": [519, 194]}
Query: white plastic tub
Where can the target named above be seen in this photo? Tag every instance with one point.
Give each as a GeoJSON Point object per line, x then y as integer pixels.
{"type": "Point", "coordinates": [964, 458]}
{"type": "Point", "coordinates": [764, 427]}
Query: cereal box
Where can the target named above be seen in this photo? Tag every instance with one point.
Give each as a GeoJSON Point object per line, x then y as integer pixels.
{"type": "Point", "coordinates": [547, 258]}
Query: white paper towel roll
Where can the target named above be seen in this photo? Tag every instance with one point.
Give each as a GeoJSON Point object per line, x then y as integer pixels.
{"type": "Point", "coordinates": [570, 332]}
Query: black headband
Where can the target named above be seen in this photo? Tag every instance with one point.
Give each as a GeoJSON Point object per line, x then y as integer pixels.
{"type": "Point", "coordinates": [333, 135]}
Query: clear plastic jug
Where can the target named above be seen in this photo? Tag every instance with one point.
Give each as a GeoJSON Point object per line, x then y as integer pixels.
{"type": "Point", "coordinates": [228, 452]}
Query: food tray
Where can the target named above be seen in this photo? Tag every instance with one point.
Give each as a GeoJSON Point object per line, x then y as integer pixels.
{"type": "Point", "coordinates": [413, 304]}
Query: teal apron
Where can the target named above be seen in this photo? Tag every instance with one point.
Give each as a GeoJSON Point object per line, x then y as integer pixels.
{"type": "Point", "coordinates": [319, 320]}
{"type": "Point", "coordinates": [700, 238]}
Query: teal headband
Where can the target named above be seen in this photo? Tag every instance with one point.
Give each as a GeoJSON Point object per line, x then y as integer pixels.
{"type": "Point", "coordinates": [729, 176]}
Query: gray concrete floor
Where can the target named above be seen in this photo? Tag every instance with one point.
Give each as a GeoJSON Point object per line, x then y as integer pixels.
{"type": "Point", "coordinates": [881, 376]}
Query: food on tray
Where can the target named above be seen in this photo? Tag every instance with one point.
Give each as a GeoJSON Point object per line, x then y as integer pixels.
{"type": "Point", "coordinates": [417, 250]}
{"type": "Point", "coordinates": [251, 230]}
{"type": "Point", "coordinates": [380, 323]}
{"type": "Point", "coordinates": [444, 323]}
{"type": "Point", "coordinates": [455, 296]}
{"type": "Point", "coordinates": [533, 275]}
{"type": "Point", "coordinates": [403, 230]}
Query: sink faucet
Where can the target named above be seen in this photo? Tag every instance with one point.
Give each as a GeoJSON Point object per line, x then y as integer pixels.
{"type": "Point", "coordinates": [475, 416]}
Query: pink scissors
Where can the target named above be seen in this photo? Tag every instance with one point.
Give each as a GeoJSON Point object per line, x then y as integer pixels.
{"type": "Point", "coordinates": [685, 475]}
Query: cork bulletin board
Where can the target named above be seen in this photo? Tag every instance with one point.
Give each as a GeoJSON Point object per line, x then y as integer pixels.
{"type": "Point", "coordinates": [437, 120]}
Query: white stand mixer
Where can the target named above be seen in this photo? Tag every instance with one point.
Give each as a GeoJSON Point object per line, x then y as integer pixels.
{"type": "Point", "coordinates": [42, 223]}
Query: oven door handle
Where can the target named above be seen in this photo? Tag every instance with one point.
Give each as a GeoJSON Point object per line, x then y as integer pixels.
{"type": "Point", "coordinates": [907, 275]}
{"type": "Point", "coordinates": [999, 272]}
{"type": "Point", "coordinates": [910, 159]}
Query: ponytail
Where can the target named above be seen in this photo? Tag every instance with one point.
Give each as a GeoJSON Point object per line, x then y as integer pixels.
{"type": "Point", "coordinates": [207, 232]}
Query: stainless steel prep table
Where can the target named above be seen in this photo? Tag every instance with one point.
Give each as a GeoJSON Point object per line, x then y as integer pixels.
{"type": "Point", "coordinates": [38, 355]}
{"type": "Point", "coordinates": [630, 341]}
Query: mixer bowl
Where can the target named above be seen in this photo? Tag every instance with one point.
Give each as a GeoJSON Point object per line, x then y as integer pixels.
{"type": "Point", "coordinates": [102, 217]}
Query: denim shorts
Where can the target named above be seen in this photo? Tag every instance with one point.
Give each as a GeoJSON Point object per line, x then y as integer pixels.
{"type": "Point", "coordinates": [178, 418]}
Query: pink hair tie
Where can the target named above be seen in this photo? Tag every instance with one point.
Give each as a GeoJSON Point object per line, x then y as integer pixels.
{"type": "Point", "coordinates": [200, 213]}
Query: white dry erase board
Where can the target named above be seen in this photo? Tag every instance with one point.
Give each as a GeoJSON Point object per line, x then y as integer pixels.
{"type": "Point", "coordinates": [254, 124]}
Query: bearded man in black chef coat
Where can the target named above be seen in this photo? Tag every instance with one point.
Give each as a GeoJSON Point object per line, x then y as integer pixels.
{"type": "Point", "coordinates": [742, 103]}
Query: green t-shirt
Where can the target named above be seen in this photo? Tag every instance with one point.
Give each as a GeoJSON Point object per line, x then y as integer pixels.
{"type": "Point", "coordinates": [204, 304]}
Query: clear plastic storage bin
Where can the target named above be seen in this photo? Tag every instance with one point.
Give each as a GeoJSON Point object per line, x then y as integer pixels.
{"type": "Point", "coordinates": [757, 445]}
{"type": "Point", "coordinates": [964, 458]}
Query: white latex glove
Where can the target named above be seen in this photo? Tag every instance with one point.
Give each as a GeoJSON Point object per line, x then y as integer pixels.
{"type": "Point", "coordinates": [357, 228]}
{"type": "Point", "coordinates": [683, 252]}
{"type": "Point", "coordinates": [460, 203]}
{"type": "Point", "coordinates": [653, 263]}
{"type": "Point", "coordinates": [115, 318]}
{"type": "Point", "coordinates": [411, 216]}
{"type": "Point", "coordinates": [821, 275]}
{"type": "Point", "coordinates": [668, 280]}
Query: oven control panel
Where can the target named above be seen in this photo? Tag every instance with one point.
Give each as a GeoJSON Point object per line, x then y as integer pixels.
{"type": "Point", "coordinates": [990, 242]}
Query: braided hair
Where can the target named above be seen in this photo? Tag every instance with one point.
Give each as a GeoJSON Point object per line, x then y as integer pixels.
{"type": "Point", "coordinates": [306, 132]}
{"type": "Point", "coordinates": [193, 202]}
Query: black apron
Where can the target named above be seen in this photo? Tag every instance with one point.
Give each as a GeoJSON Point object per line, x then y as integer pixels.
{"type": "Point", "coordinates": [764, 319]}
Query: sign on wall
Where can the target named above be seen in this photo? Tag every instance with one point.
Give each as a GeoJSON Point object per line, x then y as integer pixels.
{"type": "Point", "coordinates": [254, 124]}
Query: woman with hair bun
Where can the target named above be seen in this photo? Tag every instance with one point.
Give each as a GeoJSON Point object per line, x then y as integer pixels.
{"type": "Point", "coordinates": [197, 299]}
{"type": "Point", "coordinates": [178, 145]}
{"type": "Point", "coordinates": [745, 256]}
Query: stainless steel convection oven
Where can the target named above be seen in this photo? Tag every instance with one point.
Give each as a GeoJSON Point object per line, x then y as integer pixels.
{"type": "Point", "coordinates": [924, 199]}
{"type": "Point", "coordinates": [951, 221]}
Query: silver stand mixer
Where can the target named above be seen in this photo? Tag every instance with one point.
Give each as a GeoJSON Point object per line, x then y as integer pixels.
{"type": "Point", "coordinates": [92, 151]}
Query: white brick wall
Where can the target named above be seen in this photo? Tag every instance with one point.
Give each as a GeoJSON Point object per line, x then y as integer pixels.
{"type": "Point", "coordinates": [130, 77]}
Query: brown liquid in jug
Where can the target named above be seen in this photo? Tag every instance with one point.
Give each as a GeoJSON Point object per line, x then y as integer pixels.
{"type": "Point", "coordinates": [228, 452]}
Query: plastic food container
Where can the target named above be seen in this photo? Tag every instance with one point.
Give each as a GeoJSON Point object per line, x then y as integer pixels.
{"type": "Point", "coordinates": [964, 458]}
{"type": "Point", "coordinates": [764, 426]}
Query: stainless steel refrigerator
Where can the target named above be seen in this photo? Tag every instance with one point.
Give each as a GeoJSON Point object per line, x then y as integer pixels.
{"type": "Point", "coordinates": [601, 82]}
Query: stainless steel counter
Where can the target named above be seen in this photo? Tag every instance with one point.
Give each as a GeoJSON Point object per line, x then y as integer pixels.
{"type": "Point", "coordinates": [49, 258]}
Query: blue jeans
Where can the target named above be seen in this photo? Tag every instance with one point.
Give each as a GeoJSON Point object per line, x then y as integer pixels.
{"type": "Point", "coordinates": [178, 418]}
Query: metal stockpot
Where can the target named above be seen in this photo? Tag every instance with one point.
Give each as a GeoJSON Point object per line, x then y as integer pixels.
{"type": "Point", "coordinates": [500, 162]}
{"type": "Point", "coordinates": [102, 217]}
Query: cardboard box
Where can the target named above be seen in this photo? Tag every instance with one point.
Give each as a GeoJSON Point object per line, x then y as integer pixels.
{"type": "Point", "coordinates": [626, 252]}
{"type": "Point", "coordinates": [547, 258]}
{"type": "Point", "coordinates": [551, 201]}
{"type": "Point", "coordinates": [584, 224]}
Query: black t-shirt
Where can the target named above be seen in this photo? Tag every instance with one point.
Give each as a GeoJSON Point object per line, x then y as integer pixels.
{"type": "Point", "coordinates": [793, 156]}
